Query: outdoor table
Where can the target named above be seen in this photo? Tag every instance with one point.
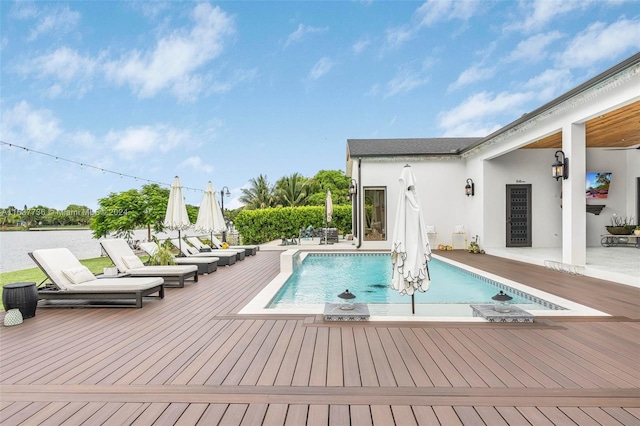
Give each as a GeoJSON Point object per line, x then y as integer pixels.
{"type": "Point", "coordinates": [23, 296]}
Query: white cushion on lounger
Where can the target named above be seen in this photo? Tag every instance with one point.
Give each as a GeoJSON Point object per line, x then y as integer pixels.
{"type": "Point", "coordinates": [117, 248]}
{"type": "Point", "coordinates": [132, 262]}
{"type": "Point", "coordinates": [78, 275]}
{"type": "Point", "coordinates": [151, 248]}
{"type": "Point", "coordinates": [54, 260]}
{"type": "Point", "coordinates": [162, 270]}
{"type": "Point", "coordinates": [118, 284]}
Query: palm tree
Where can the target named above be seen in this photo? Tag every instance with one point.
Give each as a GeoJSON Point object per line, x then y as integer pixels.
{"type": "Point", "coordinates": [292, 191]}
{"type": "Point", "coordinates": [259, 195]}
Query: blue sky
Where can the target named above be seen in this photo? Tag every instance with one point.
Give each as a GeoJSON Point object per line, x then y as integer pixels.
{"type": "Point", "coordinates": [230, 90]}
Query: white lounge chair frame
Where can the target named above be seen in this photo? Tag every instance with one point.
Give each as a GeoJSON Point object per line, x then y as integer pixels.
{"type": "Point", "coordinates": [174, 275]}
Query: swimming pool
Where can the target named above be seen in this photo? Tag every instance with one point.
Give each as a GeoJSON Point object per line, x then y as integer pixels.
{"type": "Point", "coordinates": [320, 277]}
{"type": "Point", "coordinates": [536, 302]}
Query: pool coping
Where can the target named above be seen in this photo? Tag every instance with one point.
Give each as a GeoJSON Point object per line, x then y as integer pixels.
{"type": "Point", "coordinates": [257, 305]}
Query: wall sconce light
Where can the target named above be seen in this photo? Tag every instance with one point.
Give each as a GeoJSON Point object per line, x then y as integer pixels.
{"type": "Point", "coordinates": [560, 169]}
{"type": "Point", "coordinates": [353, 190]}
{"type": "Point", "coordinates": [470, 188]}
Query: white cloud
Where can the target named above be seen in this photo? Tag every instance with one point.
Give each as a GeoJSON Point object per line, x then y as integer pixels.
{"type": "Point", "coordinates": [136, 141]}
{"type": "Point", "coordinates": [196, 163]}
{"type": "Point", "coordinates": [534, 48]}
{"type": "Point", "coordinates": [73, 72]}
{"type": "Point", "coordinates": [478, 110]}
{"type": "Point", "coordinates": [599, 42]}
{"type": "Point", "coordinates": [26, 126]}
{"type": "Point", "coordinates": [434, 11]}
{"type": "Point", "coordinates": [49, 19]}
{"type": "Point", "coordinates": [236, 78]}
{"type": "Point", "coordinates": [176, 57]}
{"type": "Point", "coordinates": [550, 83]}
{"type": "Point", "coordinates": [375, 89]}
{"type": "Point", "coordinates": [83, 138]}
{"type": "Point", "coordinates": [428, 14]}
{"type": "Point", "coordinates": [472, 74]}
{"type": "Point", "coordinates": [541, 12]}
{"type": "Point", "coordinates": [320, 68]}
{"type": "Point", "coordinates": [360, 45]}
{"type": "Point", "coordinates": [301, 32]}
{"type": "Point", "coordinates": [405, 81]}
{"type": "Point", "coordinates": [399, 35]}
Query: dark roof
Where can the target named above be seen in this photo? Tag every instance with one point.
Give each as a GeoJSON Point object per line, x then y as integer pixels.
{"type": "Point", "coordinates": [412, 146]}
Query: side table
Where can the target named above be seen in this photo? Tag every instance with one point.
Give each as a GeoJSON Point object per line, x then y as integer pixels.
{"type": "Point", "coordinates": [23, 296]}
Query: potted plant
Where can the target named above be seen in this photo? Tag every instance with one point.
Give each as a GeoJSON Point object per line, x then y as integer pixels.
{"type": "Point", "coordinates": [620, 226]}
{"type": "Point", "coordinates": [163, 255]}
{"type": "Point", "coordinates": [636, 231]}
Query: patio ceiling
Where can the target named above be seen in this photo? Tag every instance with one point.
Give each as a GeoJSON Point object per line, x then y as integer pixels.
{"type": "Point", "coordinates": [619, 128]}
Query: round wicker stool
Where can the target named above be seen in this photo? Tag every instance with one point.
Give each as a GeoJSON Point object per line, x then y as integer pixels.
{"type": "Point", "coordinates": [23, 296]}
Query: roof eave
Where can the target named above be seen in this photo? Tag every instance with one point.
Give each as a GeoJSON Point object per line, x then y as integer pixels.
{"type": "Point", "coordinates": [603, 76]}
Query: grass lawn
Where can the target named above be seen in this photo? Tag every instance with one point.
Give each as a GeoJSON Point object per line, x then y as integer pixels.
{"type": "Point", "coordinates": [95, 265]}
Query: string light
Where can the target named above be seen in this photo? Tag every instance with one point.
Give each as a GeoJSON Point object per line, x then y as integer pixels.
{"type": "Point", "coordinates": [83, 165]}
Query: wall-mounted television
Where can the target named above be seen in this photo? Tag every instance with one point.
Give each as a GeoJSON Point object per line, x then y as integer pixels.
{"type": "Point", "coordinates": [598, 184]}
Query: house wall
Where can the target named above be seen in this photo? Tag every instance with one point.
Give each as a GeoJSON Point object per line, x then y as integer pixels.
{"type": "Point", "coordinates": [530, 167]}
{"type": "Point", "coordinates": [440, 188]}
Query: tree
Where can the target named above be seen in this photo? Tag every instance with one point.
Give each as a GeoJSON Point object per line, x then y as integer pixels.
{"type": "Point", "coordinates": [76, 215]}
{"type": "Point", "coordinates": [292, 191]}
{"type": "Point", "coordinates": [259, 195]}
{"type": "Point", "coordinates": [120, 213]}
{"type": "Point", "coordinates": [129, 210]}
{"type": "Point", "coordinates": [334, 180]}
{"type": "Point", "coordinates": [155, 201]}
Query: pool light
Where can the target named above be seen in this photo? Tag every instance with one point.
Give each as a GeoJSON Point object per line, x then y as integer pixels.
{"type": "Point", "coordinates": [502, 302]}
{"type": "Point", "coordinates": [347, 300]}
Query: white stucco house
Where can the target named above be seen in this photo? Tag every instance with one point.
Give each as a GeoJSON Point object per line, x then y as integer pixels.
{"type": "Point", "coordinates": [517, 205]}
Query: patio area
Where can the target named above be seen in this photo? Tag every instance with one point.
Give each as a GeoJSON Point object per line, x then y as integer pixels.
{"type": "Point", "coordinates": [191, 359]}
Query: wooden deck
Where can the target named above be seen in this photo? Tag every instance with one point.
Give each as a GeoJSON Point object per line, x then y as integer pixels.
{"type": "Point", "coordinates": [191, 359]}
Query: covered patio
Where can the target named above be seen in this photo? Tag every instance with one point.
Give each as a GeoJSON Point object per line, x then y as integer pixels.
{"type": "Point", "coordinates": [191, 359]}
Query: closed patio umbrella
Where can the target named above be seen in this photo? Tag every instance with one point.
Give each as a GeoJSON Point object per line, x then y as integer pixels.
{"type": "Point", "coordinates": [410, 249]}
{"type": "Point", "coordinates": [210, 217]}
{"type": "Point", "coordinates": [176, 218]}
{"type": "Point", "coordinates": [328, 204]}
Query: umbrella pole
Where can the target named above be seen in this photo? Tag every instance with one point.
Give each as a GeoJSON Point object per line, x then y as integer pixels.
{"type": "Point", "coordinates": [179, 242]}
{"type": "Point", "coordinates": [413, 305]}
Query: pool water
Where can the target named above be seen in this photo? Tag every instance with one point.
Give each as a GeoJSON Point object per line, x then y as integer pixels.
{"type": "Point", "coordinates": [321, 277]}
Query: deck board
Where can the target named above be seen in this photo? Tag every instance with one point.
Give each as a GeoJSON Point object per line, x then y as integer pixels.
{"type": "Point", "coordinates": [192, 359]}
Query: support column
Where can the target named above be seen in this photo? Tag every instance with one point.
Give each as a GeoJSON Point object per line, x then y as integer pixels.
{"type": "Point", "coordinates": [574, 216]}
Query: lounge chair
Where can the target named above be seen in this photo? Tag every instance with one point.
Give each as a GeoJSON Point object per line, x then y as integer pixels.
{"type": "Point", "coordinates": [226, 257]}
{"type": "Point", "coordinates": [240, 252]}
{"type": "Point", "coordinates": [249, 250]}
{"type": "Point", "coordinates": [195, 241]}
{"type": "Point", "coordinates": [70, 280]}
{"type": "Point", "coordinates": [127, 261]}
{"type": "Point", "coordinates": [206, 265]}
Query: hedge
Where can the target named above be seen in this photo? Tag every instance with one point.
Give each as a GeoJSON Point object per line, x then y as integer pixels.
{"type": "Point", "coordinates": [263, 225]}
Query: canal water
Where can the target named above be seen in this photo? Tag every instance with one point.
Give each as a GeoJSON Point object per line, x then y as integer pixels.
{"type": "Point", "coordinates": [14, 246]}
